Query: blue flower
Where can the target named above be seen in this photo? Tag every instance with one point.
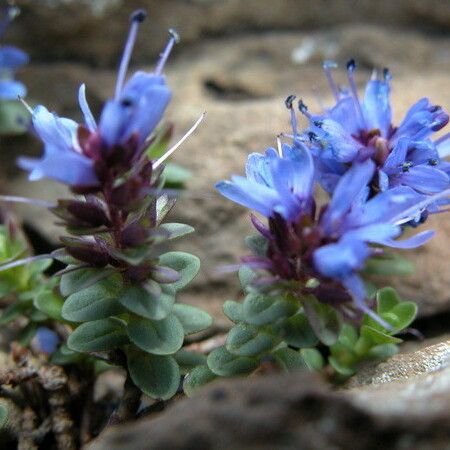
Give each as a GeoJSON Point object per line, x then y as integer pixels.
{"type": "Point", "coordinates": [333, 245]}
{"type": "Point", "coordinates": [358, 129]}
{"type": "Point", "coordinates": [275, 184]}
{"type": "Point", "coordinates": [11, 59]}
{"type": "Point", "coordinates": [79, 155]}
{"type": "Point", "coordinates": [45, 341]}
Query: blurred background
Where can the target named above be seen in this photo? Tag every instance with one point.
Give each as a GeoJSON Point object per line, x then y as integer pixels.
{"type": "Point", "coordinates": [237, 60]}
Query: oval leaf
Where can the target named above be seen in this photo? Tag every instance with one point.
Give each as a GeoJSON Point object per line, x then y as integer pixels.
{"type": "Point", "coordinates": [225, 364]}
{"type": "Point", "coordinates": [146, 303]}
{"type": "Point", "coordinates": [156, 376]}
{"type": "Point", "coordinates": [297, 331]}
{"type": "Point", "coordinates": [245, 340]}
{"type": "Point", "coordinates": [93, 303]}
{"type": "Point", "coordinates": [290, 359]}
{"type": "Point", "coordinates": [50, 304]}
{"type": "Point", "coordinates": [193, 319]}
{"type": "Point", "coordinates": [79, 279]}
{"type": "Point", "coordinates": [185, 264]}
{"type": "Point", "coordinates": [98, 336]}
{"type": "Point", "coordinates": [200, 376]}
{"type": "Point", "coordinates": [260, 309]}
{"type": "Point", "coordinates": [161, 337]}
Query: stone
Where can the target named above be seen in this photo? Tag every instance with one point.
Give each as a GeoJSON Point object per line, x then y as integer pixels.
{"type": "Point", "coordinates": [75, 29]}
{"type": "Point", "coordinates": [301, 411]}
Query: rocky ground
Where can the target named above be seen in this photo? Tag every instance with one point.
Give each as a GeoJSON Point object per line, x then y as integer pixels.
{"type": "Point", "coordinates": [239, 66]}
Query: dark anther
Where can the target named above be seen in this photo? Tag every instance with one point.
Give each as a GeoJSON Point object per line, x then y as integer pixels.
{"type": "Point", "coordinates": [139, 15]}
{"type": "Point", "coordinates": [386, 73]}
{"type": "Point", "coordinates": [302, 107]}
{"type": "Point", "coordinates": [126, 102]}
{"type": "Point", "coordinates": [312, 136]}
{"type": "Point", "coordinates": [288, 102]}
{"type": "Point", "coordinates": [351, 65]}
{"type": "Point", "coordinates": [406, 166]}
{"type": "Point", "coordinates": [318, 123]}
{"type": "Point", "coordinates": [174, 33]}
{"type": "Point", "coordinates": [435, 108]}
{"type": "Point", "coordinates": [433, 162]}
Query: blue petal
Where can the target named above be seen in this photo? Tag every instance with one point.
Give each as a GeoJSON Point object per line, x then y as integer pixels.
{"type": "Point", "coordinates": [113, 121]}
{"type": "Point", "coordinates": [341, 259]}
{"type": "Point", "coordinates": [443, 146]}
{"type": "Point", "coordinates": [344, 113]}
{"type": "Point", "coordinates": [88, 116]}
{"type": "Point", "coordinates": [249, 194]}
{"type": "Point", "coordinates": [258, 168]}
{"type": "Point", "coordinates": [349, 187]}
{"type": "Point", "coordinates": [425, 179]}
{"type": "Point", "coordinates": [342, 145]}
{"type": "Point", "coordinates": [12, 58]}
{"type": "Point", "coordinates": [396, 157]}
{"type": "Point", "coordinates": [374, 233]}
{"type": "Point", "coordinates": [412, 242]}
{"type": "Point", "coordinates": [376, 106]}
{"type": "Point", "coordinates": [11, 89]}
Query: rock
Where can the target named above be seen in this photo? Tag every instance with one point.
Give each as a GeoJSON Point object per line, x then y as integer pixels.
{"type": "Point", "coordinates": [75, 29]}
{"type": "Point", "coordinates": [299, 411]}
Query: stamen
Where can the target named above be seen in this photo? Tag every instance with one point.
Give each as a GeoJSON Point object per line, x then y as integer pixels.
{"type": "Point", "coordinates": [442, 139]}
{"type": "Point", "coordinates": [411, 212]}
{"type": "Point", "coordinates": [136, 19]}
{"type": "Point", "coordinates": [174, 38]}
{"type": "Point", "coordinates": [24, 103]}
{"type": "Point", "coordinates": [31, 201]}
{"type": "Point", "coordinates": [387, 74]}
{"type": "Point", "coordinates": [289, 105]}
{"type": "Point", "coordinates": [327, 66]}
{"type": "Point", "coordinates": [159, 161]}
{"type": "Point", "coordinates": [279, 148]}
{"type": "Point", "coordinates": [304, 109]}
{"type": "Point", "coordinates": [23, 261]}
{"type": "Point", "coordinates": [11, 13]}
{"type": "Point", "coordinates": [351, 66]}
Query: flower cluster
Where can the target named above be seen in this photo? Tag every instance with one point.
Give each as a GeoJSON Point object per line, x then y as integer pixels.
{"type": "Point", "coordinates": [11, 59]}
{"type": "Point", "coordinates": [303, 283]}
{"type": "Point", "coordinates": [355, 130]}
{"type": "Point", "coordinates": [120, 291]}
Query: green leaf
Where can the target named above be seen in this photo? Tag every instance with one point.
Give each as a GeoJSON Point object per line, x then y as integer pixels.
{"type": "Point", "coordinates": [246, 277]}
{"type": "Point", "coordinates": [387, 299]}
{"type": "Point", "coordinates": [12, 312]}
{"type": "Point", "coordinates": [313, 358]}
{"type": "Point", "coordinates": [223, 363]}
{"type": "Point", "coordinates": [383, 351]}
{"type": "Point", "coordinates": [257, 244]}
{"type": "Point", "coordinates": [79, 279]}
{"type": "Point", "coordinates": [98, 336]}
{"type": "Point", "coordinates": [340, 368]}
{"type": "Point", "coordinates": [402, 315]}
{"type": "Point", "coordinates": [14, 118]}
{"type": "Point", "coordinates": [4, 416]}
{"type": "Point", "coordinates": [188, 360]}
{"type": "Point", "coordinates": [185, 264]}
{"type": "Point", "coordinates": [246, 340]}
{"type": "Point", "coordinates": [95, 302]}
{"type": "Point", "coordinates": [176, 175]}
{"type": "Point", "coordinates": [197, 378]}
{"type": "Point", "coordinates": [323, 320]}
{"type": "Point", "coordinates": [389, 265]}
{"type": "Point", "coordinates": [148, 302]}
{"type": "Point", "coordinates": [50, 304]}
{"type": "Point", "coordinates": [289, 359]}
{"type": "Point", "coordinates": [156, 376]}
{"type": "Point", "coordinates": [297, 331]}
{"type": "Point", "coordinates": [192, 319]}
{"type": "Point", "coordinates": [176, 230]}
{"type": "Point", "coordinates": [233, 310]}
{"type": "Point", "coordinates": [161, 337]}
{"type": "Point", "coordinates": [348, 336]}
{"type": "Point", "coordinates": [375, 337]}
{"type": "Point", "coordinates": [260, 309]}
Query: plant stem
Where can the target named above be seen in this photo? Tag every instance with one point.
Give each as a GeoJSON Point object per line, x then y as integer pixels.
{"type": "Point", "coordinates": [129, 404]}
